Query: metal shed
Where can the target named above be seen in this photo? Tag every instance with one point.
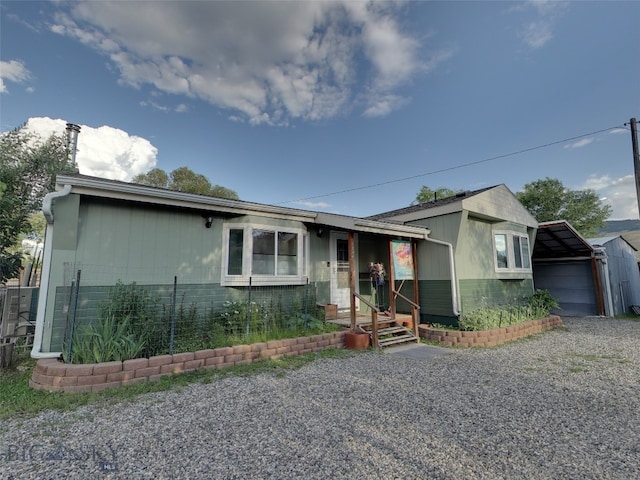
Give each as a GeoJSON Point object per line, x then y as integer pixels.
{"type": "Point", "coordinates": [622, 270]}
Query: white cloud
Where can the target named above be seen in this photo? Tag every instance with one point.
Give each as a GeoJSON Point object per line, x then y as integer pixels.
{"type": "Point", "coordinates": [265, 62]}
{"type": "Point", "coordinates": [616, 131]}
{"type": "Point", "coordinates": [383, 105]}
{"type": "Point", "coordinates": [105, 152]}
{"type": "Point", "coordinates": [538, 32]}
{"type": "Point", "coordinates": [620, 193]}
{"type": "Point", "coordinates": [14, 71]}
{"type": "Point", "coordinates": [313, 205]}
{"type": "Point", "coordinates": [580, 143]}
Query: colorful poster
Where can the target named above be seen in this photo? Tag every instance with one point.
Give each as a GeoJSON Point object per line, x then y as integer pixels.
{"type": "Point", "coordinates": [402, 260]}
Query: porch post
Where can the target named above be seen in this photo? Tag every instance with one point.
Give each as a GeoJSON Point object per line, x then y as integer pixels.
{"type": "Point", "coordinates": [392, 282]}
{"type": "Point", "coordinates": [352, 280]}
{"type": "Point", "coordinates": [415, 313]}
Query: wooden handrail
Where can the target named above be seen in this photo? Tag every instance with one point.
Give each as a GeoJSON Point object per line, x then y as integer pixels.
{"type": "Point", "coordinates": [374, 318]}
{"type": "Point", "coordinates": [414, 311]}
{"type": "Point", "coordinates": [398, 294]}
{"type": "Point", "coordinates": [365, 301]}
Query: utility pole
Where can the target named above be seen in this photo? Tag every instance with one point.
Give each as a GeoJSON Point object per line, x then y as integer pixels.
{"type": "Point", "coordinates": [636, 157]}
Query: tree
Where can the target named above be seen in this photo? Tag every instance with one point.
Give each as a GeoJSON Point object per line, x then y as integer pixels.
{"type": "Point", "coordinates": [154, 178]}
{"type": "Point", "coordinates": [549, 200]}
{"type": "Point", "coordinates": [183, 179]}
{"type": "Point", "coordinates": [427, 195]}
{"type": "Point", "coordinates": [28, 166]}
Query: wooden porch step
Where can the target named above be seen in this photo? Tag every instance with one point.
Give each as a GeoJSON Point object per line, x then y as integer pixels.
{"type": "Point", "coordinates": [391, 330]}
{"type": "Point", "coordinates": [385, 342]}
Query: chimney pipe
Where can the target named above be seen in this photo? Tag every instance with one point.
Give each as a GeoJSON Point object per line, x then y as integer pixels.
{"type": "Point", "coordinates": [72, 141]}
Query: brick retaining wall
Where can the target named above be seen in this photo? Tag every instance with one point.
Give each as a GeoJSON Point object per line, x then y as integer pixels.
{"type": "Point", "coordinates": [55, 376]}
{"type": "Point", "coordinates": [489, 338]}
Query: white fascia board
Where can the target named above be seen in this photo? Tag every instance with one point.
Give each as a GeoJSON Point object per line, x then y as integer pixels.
{"type": "Point", "coordinates": [370, 226]}
{"type": "Point", "coordinates": [141, 193]}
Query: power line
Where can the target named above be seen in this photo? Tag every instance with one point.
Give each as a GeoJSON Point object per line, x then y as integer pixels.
{"type": "Point", "coordinates": [464, 165]}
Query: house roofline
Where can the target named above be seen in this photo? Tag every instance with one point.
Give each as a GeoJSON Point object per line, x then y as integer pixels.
{"type": "Point", "coordinates": [98, 187]}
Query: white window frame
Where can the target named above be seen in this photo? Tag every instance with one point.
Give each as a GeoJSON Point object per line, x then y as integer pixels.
{"type": "Point", "coordinates": [247, 256]}
{"type": "Point", "coordinates": [511, 257]}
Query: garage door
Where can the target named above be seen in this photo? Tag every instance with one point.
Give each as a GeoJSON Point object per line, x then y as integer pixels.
{"type": "Point", "coordinates": [571, 283]}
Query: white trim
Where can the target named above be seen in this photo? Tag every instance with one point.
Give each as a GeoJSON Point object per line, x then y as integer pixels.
{"type": "Point", "coordinates": [511, 260]}
{"type": "Point", "coordinates": [42, 299]}
{"type": "Point", "coordinates": [247, 258]}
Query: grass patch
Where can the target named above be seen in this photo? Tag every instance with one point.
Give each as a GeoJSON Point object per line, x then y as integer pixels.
{"type": "Point", "coordinates": [582, 361]}
{"type": "Point", "coordinates": [18, 399]}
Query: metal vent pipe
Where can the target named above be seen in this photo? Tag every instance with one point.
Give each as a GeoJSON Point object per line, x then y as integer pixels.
{"type": "Point", "coordinates": [72, 141]}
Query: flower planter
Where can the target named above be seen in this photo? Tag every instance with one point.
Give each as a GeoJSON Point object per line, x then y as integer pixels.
{"type": "Point", "coordinates": [356, 340]}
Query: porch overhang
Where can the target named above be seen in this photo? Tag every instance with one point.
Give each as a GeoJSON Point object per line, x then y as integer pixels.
{"type": "Point", "coordinates": [362, 225]}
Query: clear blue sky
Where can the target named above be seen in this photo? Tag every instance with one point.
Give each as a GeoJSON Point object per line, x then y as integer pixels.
{"type": "Point", "coordinates": [289, 103]}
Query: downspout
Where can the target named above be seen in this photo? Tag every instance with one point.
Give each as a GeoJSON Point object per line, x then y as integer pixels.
{"type": "Point", "coordinates": [47, 210]}
{"type": "Point", "coordinates": [452, 268]}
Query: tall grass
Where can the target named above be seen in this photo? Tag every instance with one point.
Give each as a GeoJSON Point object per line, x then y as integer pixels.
{"type": "Point", "coordinates": [487, 317]}
{"type": "Point", "coordinates": [133, 323]}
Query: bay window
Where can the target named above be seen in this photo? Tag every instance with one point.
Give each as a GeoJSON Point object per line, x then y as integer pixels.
{"type": "Point", "coordinates": [267, 255]}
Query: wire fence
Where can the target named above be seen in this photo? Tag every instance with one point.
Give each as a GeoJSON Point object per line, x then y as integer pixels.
{"type": "Point", "coordinates": [130, 320]}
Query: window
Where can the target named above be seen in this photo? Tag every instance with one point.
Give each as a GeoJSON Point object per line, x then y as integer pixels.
{"type": "Point", "coordinates": [236, 239]}
{"type": "Point", "coordinates": [502, 257]}
{"type": "Point", "coordinates": [511, 252]}
{"type": "Point", "coordinates": [521, 251]}
{"type": "Point", "coordinates": [266, 255]}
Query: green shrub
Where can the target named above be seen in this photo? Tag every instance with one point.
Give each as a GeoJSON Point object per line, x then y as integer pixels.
{"type": "Point", "coordinates": [134, 323]}
{"type": "Point", "coordinates": [487, 317]}
{"type": "Point", "coordinates": [107, 340]}
{"type": "Point", "coordinates": [542, 302]}
{"type": "Point", "coordinates": [149, 321]}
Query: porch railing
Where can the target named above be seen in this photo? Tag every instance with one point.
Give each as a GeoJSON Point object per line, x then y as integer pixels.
{"type": "Point", "coordinates": [374, 319]}
{"type": "Point", "coordinates": [414, 310]}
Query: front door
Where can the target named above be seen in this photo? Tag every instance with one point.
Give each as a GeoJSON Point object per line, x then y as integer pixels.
{"type": "Point", "coordinates": [340, 269]}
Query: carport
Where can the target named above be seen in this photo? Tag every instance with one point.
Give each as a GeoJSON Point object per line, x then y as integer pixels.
{"type": "Point", "coordinates": [566, 265]}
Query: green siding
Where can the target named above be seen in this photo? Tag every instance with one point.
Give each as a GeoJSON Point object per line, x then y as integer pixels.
{"type": "Point", "coordinates": [433, 261]}
{"type": "Point", "coordinates": [445, 227]}
{"type": "Point", "coordinates": [480, 292]}
{"type": "Point", "coordinates": [125, 241]}
{"type": "Point", "coordinates": [65, 210]}
{"type": "Point", "coordinates": [474, 256]}
{"type": "Point", "coordinates": [435, 297]}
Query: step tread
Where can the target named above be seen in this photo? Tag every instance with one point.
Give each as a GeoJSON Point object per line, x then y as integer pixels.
{"type": "Point", "coordinates": [399, 339]}
{"type": "Point", "coordinates": [388, 330]}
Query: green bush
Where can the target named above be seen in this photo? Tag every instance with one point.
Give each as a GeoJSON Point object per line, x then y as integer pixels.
{"type": "Point", "coordinates": [133, 323]}
{"type": "Point", "coordinates": [107, 340]}
{"type": "Point", "coordinates": [149, 321]}
{"type": "Point", "coordinates": [542, 302]}
{"type": "Point", "coordinates": [487, 317]}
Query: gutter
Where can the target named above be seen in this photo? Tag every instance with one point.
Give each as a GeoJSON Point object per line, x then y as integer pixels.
{"type": "Point", "coordinates": [452, 268]}
{"type": "Point", "coordinates": [47, 203]}
{"type": "Point", "coordinates": [47, 210]}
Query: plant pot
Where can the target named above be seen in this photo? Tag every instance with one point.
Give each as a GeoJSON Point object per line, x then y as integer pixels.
{"type": "Point", "coordinates": [356, 340]}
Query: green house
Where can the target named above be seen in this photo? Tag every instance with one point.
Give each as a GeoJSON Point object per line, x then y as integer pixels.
{"type": "Point", "coordinates": [478, 251]}
{"type": "Point", "coordinates": [205, 251]}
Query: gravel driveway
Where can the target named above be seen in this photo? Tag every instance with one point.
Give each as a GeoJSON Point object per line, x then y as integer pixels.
{"type": "Point", "coordinates": [564, 404]}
